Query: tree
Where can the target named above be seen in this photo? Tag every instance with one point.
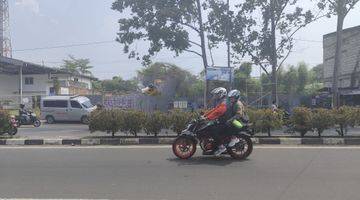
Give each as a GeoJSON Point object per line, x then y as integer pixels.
{"type": "Point", "coordinates": [175, 80]}
{"type": "Point", "coordinates": [165, 24]}
{"type": "Point", "coordinates": [339, 8]}
{"type": "Point", "coordinates": [74, 65]}
{"type": "Point", "coordinates": [303, 77]}
{"type": "Point", "coordinates": [269, 40]}
{"type": "Point", "coordinates": [119, 85]}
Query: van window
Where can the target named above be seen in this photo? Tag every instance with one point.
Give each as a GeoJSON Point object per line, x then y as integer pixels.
{"type": "Point", "coordinates": [56, 104]}
{"type": "Point", "coordinates": [75, 104]}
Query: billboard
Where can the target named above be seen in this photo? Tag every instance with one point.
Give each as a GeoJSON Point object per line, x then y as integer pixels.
{"type": "Point", "coordinates": [219, 74]}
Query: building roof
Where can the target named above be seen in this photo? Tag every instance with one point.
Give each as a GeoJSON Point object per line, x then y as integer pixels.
{"type": "Point", "coordinates": [345, 30]}
{"type": "Point", "coordinates": [12, 66]}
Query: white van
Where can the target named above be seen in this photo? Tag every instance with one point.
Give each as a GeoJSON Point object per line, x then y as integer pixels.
{"type": "Point", "coordinates": [66, 108]}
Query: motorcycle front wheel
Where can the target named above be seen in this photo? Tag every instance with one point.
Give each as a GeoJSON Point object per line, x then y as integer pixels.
{"type": "Point", "coordinates": [242, 149]}
{"type": "Point", "coordinates": [184, 147]}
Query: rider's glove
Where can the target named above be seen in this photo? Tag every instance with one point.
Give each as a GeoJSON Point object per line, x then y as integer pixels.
{"type": "Point", "coordinates": [202, 118]}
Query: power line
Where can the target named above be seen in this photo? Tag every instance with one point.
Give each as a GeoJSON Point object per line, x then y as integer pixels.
{"type": "Point", "coordinates": [108, 42]}
{"type": "Point", "coordinates": [304, 40]}
{"type": "Point", "coordinates": [65, 46]}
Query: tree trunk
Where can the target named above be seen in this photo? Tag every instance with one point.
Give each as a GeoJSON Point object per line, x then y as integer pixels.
{"type": "Point", "coordinates": [269, 132]}
{"type": "Point", "coordinates": [273, 54]}
{"type": "Point", "coordinates": [203, 48]}
{"type": "Point", "coordinates": [337, 63]}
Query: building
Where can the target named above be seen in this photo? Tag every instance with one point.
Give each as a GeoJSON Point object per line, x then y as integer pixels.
{"type": "Point", "coordinates": [21, 80]}
{"type": "Point", "coordinates": [349, 72]}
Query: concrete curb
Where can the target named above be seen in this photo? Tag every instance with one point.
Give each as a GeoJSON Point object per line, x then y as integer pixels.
{"type": "Point", "coordinates": [149, 141]}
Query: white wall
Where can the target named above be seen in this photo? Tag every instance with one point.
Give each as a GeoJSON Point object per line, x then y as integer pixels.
{"type": "Point", "coordinates": [41, 85]}
{"type": "Point", "coordinates": [9, 84]}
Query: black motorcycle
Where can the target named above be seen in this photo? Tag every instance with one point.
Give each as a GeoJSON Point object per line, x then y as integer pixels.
{"type": "Point", "coordinates": [30, 120]}
{"type": "Point", "coordinates": [197, 132]}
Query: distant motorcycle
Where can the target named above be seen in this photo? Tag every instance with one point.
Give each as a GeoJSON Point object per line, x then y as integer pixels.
{"type": "Point", "coordinates": [184, 147]}
{"type": "Point", "coordinates": [30, 120]}
{"type": "Point", "coordinates": [12, 129]}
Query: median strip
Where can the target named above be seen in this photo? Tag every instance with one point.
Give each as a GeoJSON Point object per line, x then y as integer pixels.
{"type": "Point", "coordinates": [162, 141]}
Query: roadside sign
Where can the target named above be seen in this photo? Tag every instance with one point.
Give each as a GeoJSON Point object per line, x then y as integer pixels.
{"type": "Point", "coordinates": [180, 104]}
{"type": "Point", "coordinates": [219, 74]}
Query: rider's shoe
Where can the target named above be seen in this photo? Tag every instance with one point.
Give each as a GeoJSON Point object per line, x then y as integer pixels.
{"type": "Point", "coordinates": [233, 141]}
{"type": "Point", "coordinates": [220, 150]}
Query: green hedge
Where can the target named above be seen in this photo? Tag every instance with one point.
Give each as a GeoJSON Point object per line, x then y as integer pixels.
{"type": "Point", "coordinates": [4, 121]}
{"type": "Point", "coordinates": [302, 120]}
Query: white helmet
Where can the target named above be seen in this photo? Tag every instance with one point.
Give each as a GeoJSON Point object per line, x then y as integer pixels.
{"type": "Point", "coordinates": [219, 92]}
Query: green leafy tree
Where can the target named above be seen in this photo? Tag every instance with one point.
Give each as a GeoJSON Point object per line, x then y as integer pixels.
{"type": "Point", "coordinates": [165, 24]}
{"type": "Point", "coordinates": [181, 82]}
{"type": "Point", "coordinates": [117, 85]}
{"type": "Point", "coordinates": [303, 77]}
{"type": "Point", "coordinates": [339, 8]}
{"type": "Point", "coordinates": [269, 40]}
{"type": "Point", "coordinates": [74, 65]}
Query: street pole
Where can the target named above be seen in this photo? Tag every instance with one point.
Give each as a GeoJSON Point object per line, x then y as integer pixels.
{"type": "Point", "coordinates": [21, 84]}
{"type": "Point", "coordinates": [261, 90]}
{"type": "Point", "coordinates": [228, 42]}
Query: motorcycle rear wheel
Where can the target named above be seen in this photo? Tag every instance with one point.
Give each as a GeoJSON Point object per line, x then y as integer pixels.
{"type": "Point", "coordinates": [242, 149]}
{"type": "Point", "coordinates": [37, 123]}
{"type": "Point", "coordinates": [12, 131]}
{"type": "Point", "coordinates": [184, 147]}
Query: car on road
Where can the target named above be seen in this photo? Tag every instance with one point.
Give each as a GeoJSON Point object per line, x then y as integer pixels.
{"type": "Point", "coordinates": [66, 108]}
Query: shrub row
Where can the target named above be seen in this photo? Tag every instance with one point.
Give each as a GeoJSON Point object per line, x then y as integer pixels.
{"type": "Point", "coordinates": [304, 120]}
{"type": "Point", "coordinates": [4, 121]}
{"type": "Point", "coordinates": [133, 121]}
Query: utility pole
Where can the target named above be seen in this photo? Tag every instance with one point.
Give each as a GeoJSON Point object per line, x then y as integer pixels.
{"type": "Point", "coordinates": [228, 43]}
{"type": "Point", "coordinates": [5, 41]}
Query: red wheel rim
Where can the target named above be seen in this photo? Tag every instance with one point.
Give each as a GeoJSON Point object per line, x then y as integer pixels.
{"type": "Point", "coordinates": [184, 148]}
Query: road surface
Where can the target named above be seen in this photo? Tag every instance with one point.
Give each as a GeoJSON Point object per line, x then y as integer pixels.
{"type": "Point", "coordinates": [152, 172]}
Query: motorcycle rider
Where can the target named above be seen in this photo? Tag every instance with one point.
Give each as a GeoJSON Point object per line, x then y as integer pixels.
{"type": "Point", "coordinates": [218, 96]}
{"type": "Point", "coordinates": [23, 113]}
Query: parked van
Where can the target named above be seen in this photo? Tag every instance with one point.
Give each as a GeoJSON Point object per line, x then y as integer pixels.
{"type": "Point", "coordinates": [66, 108]}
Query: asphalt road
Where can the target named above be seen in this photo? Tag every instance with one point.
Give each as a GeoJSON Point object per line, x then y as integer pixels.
{"type": "Point", "coordinates": [61, 130]}
{"type": "Point", "coordinates": [154, 173]}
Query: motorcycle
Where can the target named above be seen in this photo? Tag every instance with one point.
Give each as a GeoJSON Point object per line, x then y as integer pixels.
{"type": "Point", "coordinates": [12, 129]}
{"type": "Point", "coordinates": [30, 120]}
{"type": "Point", "coordinates": [197, 132]}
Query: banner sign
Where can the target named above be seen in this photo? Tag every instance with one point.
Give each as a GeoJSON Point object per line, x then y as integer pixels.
{"type": "Point", "coordinates": [219, 74]}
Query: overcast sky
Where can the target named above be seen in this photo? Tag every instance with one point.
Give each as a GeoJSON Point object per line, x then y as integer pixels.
{"type": "Point", "coordinates": [49, 23]}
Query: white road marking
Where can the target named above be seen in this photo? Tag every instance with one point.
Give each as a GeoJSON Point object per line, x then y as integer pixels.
{"type": "Point", "coordinates": [56, 199]}
{"type": "Point", "coordinates": [169, 147]}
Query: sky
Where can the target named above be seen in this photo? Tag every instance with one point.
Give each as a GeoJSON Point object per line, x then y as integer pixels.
{"type": "Point", "coordinates": [35, 24]}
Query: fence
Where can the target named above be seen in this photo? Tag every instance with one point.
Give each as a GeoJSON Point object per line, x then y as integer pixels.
{"type": "Point", "coordinates": [13, 101]}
